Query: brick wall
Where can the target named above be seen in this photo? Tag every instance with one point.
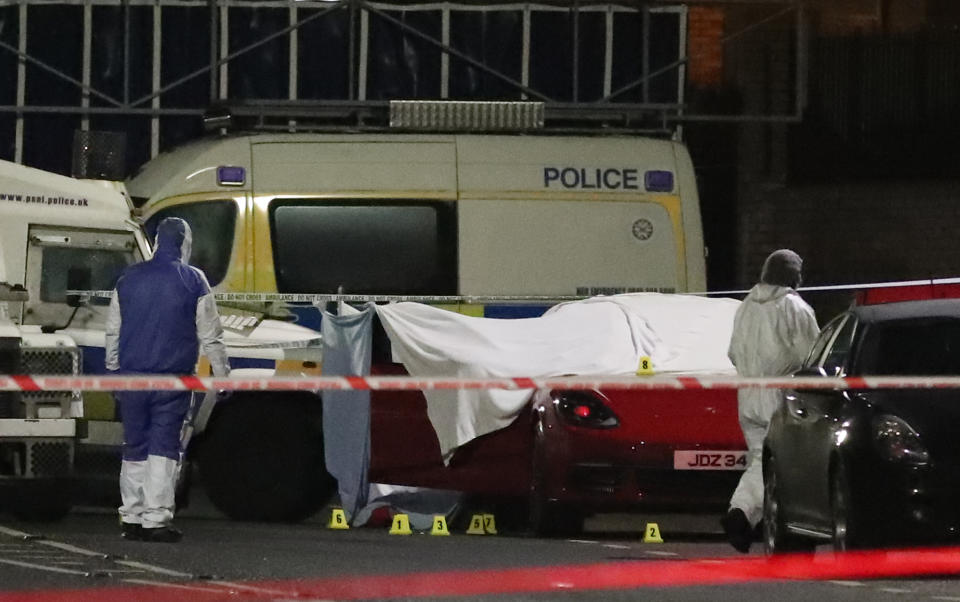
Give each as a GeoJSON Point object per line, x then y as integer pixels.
{"type": "Point", "coordinates": [704, 47]}
{"type": "Point", "coordinates": [855, 233]}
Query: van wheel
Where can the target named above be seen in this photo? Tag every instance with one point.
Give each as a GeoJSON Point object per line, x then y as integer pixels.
{"type": "Point", "coordinates": [261, 457]}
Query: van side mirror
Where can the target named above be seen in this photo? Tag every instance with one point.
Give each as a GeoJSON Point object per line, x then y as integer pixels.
{"type": "Point", "coordinates": [79, 278]}
{"type": "Point", "coordinates": [13, 292]}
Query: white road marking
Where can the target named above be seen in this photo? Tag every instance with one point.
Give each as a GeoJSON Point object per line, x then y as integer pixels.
{"type": "Point", "coordinates": [70, 548]}
{"type": "Point", "coordinates": [194, 588]}
{"type": "Point", "coordinates": [252, 588]}
{"type": "Point", "coordinates": [659, 553]}
{"type": "Point", "coordinates": [582, 541]}
{"type": "Point", "coordinates": [28, 549]}
{"type": "Point", "coordinates": [895, 590]}
{"type": "Point", "coordinates": [946, 598]}
{"type": "Point", "coordinates": [848, 583]}
{"type": "Point", "coordinates": [154, 569]}
{"type": "Point", "coordinates": [52, 569]}
{"type": "Point", "coordinates": [616, 546]}
{"type": "Point", "coordinates": [14, 533]}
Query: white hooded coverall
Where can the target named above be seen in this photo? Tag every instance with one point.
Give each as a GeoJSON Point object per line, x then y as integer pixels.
{"type": "Point", "coordinates": [773, 331]}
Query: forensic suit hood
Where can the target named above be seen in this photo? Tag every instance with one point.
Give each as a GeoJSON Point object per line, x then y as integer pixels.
{"type": "Point", "coordinates": [167, 311]}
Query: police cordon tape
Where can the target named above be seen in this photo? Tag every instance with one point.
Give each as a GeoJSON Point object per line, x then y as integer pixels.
{"type": "Point", "coordinates": [386, 298]}
{"type": "Point", "coordinates": [166, 382]}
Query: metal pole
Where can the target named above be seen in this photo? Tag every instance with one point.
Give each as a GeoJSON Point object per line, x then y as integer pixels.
{"type": "Point", "coordinates": [352, 52]}
{"type": "Point", "coordinates": [233, 55]}
{"type": "Point", "coordinates": [24, 57]}
{"type": "Point", "coordinates": [576, 49]}
{"type": "Point", "coordinates": [86, 59]}
{"type": "Point", "coordinates": [525, 66]}
{"type": "Point", "coordinates": [126, 52]}
{"type": "Point", "coordinates": [155, 79]}
{"type": "Point", "coordinates": [214, 47]}
{"type": "Point", "coordinates": [456, 53]}
{"type": "Point", "coordinates": [608, 52]}
{"type": "Point", "coordinates": [802, 62]}
{"type": "Point", "coordinates": [645, 64]}
{"type": "Point", "coordinates": [686, 59]}
{"type": "Point", "coordinates": [364, 59]}
{"type": "Point", "coordinates": [21, 82]}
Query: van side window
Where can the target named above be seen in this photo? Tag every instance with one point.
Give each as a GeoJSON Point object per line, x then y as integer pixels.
{"type": "Point", "coordinates": [65, 268]}
{"type": "Point", "coordinates": [212, 223]}
{"type": "Point", "coordinates": [367, 247]}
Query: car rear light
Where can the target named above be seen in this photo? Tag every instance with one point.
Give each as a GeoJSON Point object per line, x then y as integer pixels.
{"type": "Point", "coordinates": [583, 408]}
{"type": "Point", "coordinates": [898, 442]}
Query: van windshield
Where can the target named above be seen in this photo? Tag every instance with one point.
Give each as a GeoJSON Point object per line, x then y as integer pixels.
{"type": "Point", "coordinates": [367, 247]}
{"type": "Point", "coordinates": [212, 223]}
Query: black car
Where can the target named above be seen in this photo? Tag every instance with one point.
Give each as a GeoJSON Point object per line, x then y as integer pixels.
{"type": "Point", "coordinates": [869, 467]}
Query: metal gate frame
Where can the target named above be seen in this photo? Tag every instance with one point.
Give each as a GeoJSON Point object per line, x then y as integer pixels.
{"type": "Point", "coordinates": [360, 12]}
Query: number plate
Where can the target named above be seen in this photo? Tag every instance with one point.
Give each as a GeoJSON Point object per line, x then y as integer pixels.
{"type": "Point", "coordinates": [709, 460]}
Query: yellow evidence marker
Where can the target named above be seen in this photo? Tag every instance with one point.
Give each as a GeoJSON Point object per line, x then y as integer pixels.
{"type": "Point", "coordinates": [439, 525]}
{"type": "Point", "coordinates": [338, 520]}
{"type": "Point", "coordinates": [651, 534]}
{"type": "Point", "coordinates": [401, 525]}
{"type": "Point", "coordinates": [476, 525]}
{"type": "Point", "coordinates": [490, 524]}
{"type": "Point", "coordinates": [645, 367]}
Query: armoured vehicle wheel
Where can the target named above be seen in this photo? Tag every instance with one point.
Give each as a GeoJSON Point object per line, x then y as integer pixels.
{"type": "Point", "coordinates": [261, 457]}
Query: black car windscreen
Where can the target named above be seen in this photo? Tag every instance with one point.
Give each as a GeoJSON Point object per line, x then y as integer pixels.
{"type": "Point", "coordinates": [367, 247]}
{"type": "Point", "coordinates": [919, 347]}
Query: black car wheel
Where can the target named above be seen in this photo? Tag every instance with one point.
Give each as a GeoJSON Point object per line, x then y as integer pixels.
{"type": "Point", "coordinates": [846, 533]}
{"type": "Point", "coordinates": [776, 538]}
{"type": "Point", "coordinates": [548, 518]}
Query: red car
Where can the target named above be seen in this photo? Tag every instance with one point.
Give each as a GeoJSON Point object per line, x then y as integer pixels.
{"type": "Point", "coordinates": [571, 453]}
{"type": "Point", "coordinates": [567, 453]}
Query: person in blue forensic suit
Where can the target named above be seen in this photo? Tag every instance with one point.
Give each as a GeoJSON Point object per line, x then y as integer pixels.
{"type": "Point", "coordinates": [161, 314]}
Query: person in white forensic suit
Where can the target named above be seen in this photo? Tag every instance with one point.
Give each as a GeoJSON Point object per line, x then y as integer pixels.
{"type": "Point", "coordinates": [162, 313]}
{"type": "Point", "coordinates": [773, 332]}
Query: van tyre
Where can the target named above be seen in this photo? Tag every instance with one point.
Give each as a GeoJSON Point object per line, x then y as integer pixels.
{"type": "Point", "coordinates": [261, 457]}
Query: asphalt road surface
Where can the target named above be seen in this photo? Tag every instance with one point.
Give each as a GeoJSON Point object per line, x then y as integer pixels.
{"type": "Point", "coordinates": [84, 558]}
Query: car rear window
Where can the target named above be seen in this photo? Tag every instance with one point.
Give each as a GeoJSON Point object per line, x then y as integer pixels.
{"type": "Point", "coordinates": [920, 346]}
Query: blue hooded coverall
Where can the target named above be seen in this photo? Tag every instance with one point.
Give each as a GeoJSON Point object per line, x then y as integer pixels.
{"type": "Point", "coordinates": [161, 313]}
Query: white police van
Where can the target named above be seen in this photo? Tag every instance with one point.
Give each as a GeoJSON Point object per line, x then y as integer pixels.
{"type": "Point", "coordinates": [406, 214]}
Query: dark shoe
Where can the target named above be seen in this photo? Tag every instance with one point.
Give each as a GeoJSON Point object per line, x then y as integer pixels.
{"type": "Point", "coordinates": [738, 530]}
{"type": "Point", "coordinates": [162, 535]}
{"type": "Point", "coordinates": [131, 531]}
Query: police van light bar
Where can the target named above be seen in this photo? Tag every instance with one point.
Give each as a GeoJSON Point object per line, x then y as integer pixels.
{"type": "Point", "coordinates": [658, 181]}
{"type": "Point", "coordinates": [451, 115]}
{"type": "Point", "coordinates": [231, 175]}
